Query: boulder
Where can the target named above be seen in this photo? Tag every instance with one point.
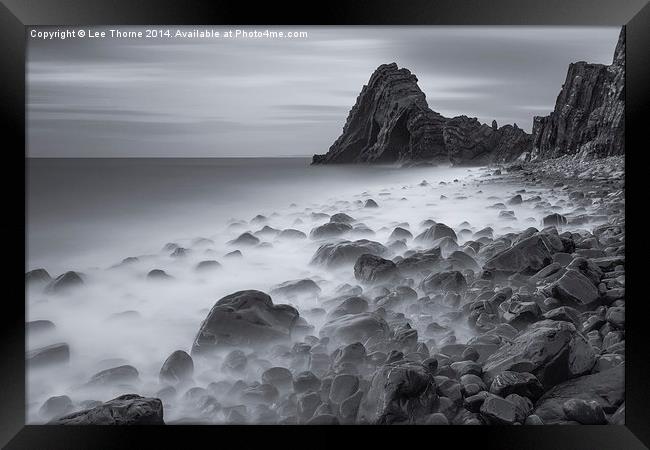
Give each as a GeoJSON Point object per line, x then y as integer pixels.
{"type": "Point", "coordinates": [245, 239]}
{"type": "Point", "coordinates": [345, 252]}
{"type": "Point", "coordinates": [352, 328]}
{"type": "Point", "coordinates": [606, 388]}
{"type": "Point", "coordinates": [114, 376]}
{"type": "Point", "coordinates": [451, 281]}
{"type": "Point", "coordinates": [574, 289]}
{"type": "Point", "coordinates": [245, 318]}
{"type": "Point", "coordinates": [129, 409]}
{"type": "Point", "coordinates": [370, 269]}
{"type": "Point", "coordinates": [65, 282]}
{"type": "Point", "coordinates": [297, 288]}
{"type": "Point", "coordinates": [49, 355]}
{"type": "Point", "coordinates": [527, 256]}
{"type": "Point", "coordinates": [553, 351]}
{"type": "Point", "coordinates": [400, 392]}
{"type": "Point", "coordinates": [330, 230]}
{"type": "Point", "coordinates": [520, 383]}
{"type": "Point", "coordinates": [177, 367]}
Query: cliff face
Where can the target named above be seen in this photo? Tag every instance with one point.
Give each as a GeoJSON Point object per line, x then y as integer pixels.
{"type": "Point", "coordinates": [589, 115]}
{"type": "Point", "coordinates": [391, 122]}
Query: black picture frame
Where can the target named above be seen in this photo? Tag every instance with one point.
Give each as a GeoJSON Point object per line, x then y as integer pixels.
{"type": "Point", "coordinates": [15, 15]}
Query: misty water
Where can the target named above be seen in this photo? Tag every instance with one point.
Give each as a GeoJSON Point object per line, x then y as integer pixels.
{"type": "Point", "coordinates": [89, 215]}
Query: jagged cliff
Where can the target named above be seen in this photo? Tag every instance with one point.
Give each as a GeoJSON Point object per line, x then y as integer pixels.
{"type": "Point", "coordinates": [589, 115]}
{"type": "Point", "coordinates": [391, 122]}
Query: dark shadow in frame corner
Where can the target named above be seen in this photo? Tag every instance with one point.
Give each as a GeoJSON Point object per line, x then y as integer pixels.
{"type": "Point", "coordinates": [15, 14]}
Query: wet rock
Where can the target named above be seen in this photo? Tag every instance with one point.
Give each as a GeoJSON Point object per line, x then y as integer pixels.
{"type": "Point", "coordinates": [39, 326]}
{"type": "Point", "coordinates": [37, 276]}
{"type": "Point", "coordinates": [498, 411]}
{"type": "Point", "coordinates": [307, 405]}
{"type": "Point", "coordinates": [290, 234]}
{"type": "Point", "coordinates": [520, 383]}
{"type": "Point", "coordinates": [297, 288]}
{"type": "Point", "coordinates": [353, 328]}
{"type": "Point", "coordinates": [352, 305]}
{"type": "Point", "coordinates": [279, 377]}
{"type": "Point", "coordinates": [342, 218]}
{"type": "Point", "coordinates": [370, 203]}
{"type": "Point", "coordinates": [177, 367]}
{"type": "Point", "coordinates": [420, 263]}
{"type": "Point", "coordinates": [435, 232]}
{"type": "Point", "coordinates": [606, 388]}
{"type": "Point", "coordinates": [451, 281]}
{"type": "Point", "coordinates": [527, 256]}
{"type": "Point", "coordinates": [573, 288]}
{"type": "Point", "coordinates": [330, 230]}
{"type": "Point", "coordinates": [401, 392]}
{"type": "Point", "coordinates": [245, 318]}
{"type": "Point", "coordinates": [207, 265]}
{"type": "Point", "coordinates": [235, 361]}
{"type": "Point", "coordinates": [349, 408]}
{"type": "Point", "coordinates": [55, 407]}
{"type": "Point", "coordinates": [260, 394]}
{"type": "Point", "coordinates": [554, 220]}
{"type": "Point", "coordinates": [233, 254]}
{"type": "Point", "coordinates": [553, 351]}
{"type": "Point", "coordinates": [114, 376]}
{"type": "Point", "coordinates": [129, 409]}
{"type": "Point", "coordinates": [371, 269]}
{"type": "Point", "coordinates": [180, 252]}
{"type": "Point", "coordinates": [400, 233]}
{"type": "Point", "coordinates": [516, 200]}
{"type": "Point", "coordinates": [346, 252]}
{"type": "Point", "coordinates": [246, 239]}
{"type": "Point", "coordinates": [306, 382]}
{"type": "Point", "coordinates": [158, 274]}
{"type": "Point", "coordinates": [584, 412]}
{"type": "Point", "coordinates": [343, 386]}
{"type": "Point", "coordinates": [49, 355]}
{"type": "Point", "coordinates": [65, 282]}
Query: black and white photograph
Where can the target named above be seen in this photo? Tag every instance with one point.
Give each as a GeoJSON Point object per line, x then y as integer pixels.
{"type": "Point", "coordinates": [325, 225]}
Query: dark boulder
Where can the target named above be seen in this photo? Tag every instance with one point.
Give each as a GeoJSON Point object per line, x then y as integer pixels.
{"type": "Point", "coordinates": [207, 265]}
{"type": "Point", "coordinates": [346, 252]}
{"type": "Point", "coordinates": [129, 409]}
{"type": "Point", "coordinates": [573, 288]}
{"type": "Point", "coordinates": [48, 355]}
{"type": "Point", "coordinates": [177, 367]}
{"type": "Point", "coordinates": [355, 328]}
{"type": "Point", "coordinates": [297, 288]}
{"type": "Point", "coordinates": [245, 239]}
{"type": "Point", "coordinates": [330, 230]}
{"type": "Point", "coordinates": [520, 383]}
{"type": "Point", "coordinates": [607, 388]}
{"type": "Point", "coordinates": [64, 282]}
{"type": "Point", "coordinates": [371, 269]}
{"type": "Point", "coordinates": [553, 351]}
{"type": "Point", "coordinates": [245, 318]}
{"type": "Point", "coordinates": [290, 233]}
{"type": "Point", "coordinates": [452, 281]}
{"type": "Point", "coordinates": [114, 376]}
{"type": "Point", "coordinates": [400, 392]}
{"type": "Point", "coordinates": [55, 407]}
{"type": "Point", "coordinates": [37, 276]}
{"type": "Point", "coordinates": [39, 326]}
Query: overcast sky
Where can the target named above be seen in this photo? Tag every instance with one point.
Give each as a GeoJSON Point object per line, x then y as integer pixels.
{"type": "Point", "coordinates": [282, 97]}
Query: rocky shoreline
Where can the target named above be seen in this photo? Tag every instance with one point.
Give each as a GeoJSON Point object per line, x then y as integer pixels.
{"type": "Point", "coordinates": [443, 324]}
